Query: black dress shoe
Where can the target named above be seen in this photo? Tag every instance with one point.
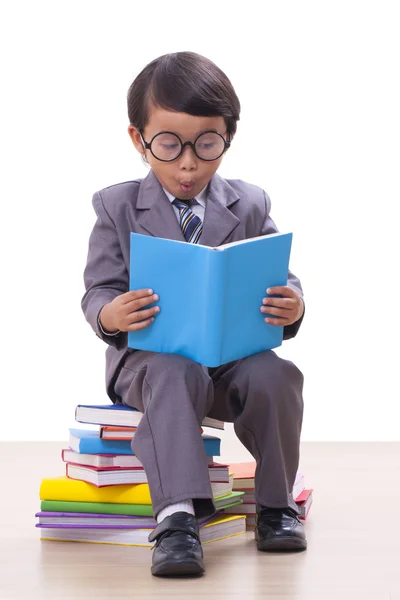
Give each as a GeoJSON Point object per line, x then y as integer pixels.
{"type": "Point", "coordinates": [279, 529]}
{"type": "Point", "coordinates": [177, 550]}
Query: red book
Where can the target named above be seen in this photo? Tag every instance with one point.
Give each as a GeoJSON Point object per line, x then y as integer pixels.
{"type": "Point", "coordinates": [304, 501]}
{"type": "Point", "coordinates": [103, 476]}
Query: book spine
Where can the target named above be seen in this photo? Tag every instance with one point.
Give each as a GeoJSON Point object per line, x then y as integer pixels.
{"type": "Point", "coordinates": [96, 507]}
{"type": "Point", "coordinates": [212, 311]}
{"type": "Point", "coordinates": [98, 446]}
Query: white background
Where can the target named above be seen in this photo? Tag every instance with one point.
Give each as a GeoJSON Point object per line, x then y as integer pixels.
{"type": "Point", "coordinates": [319, 131]}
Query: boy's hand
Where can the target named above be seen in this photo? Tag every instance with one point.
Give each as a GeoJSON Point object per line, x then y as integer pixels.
{"type": "Point", "coordinates": [124, 314]}
{"type": "Point", "coordinates": [285, 310]}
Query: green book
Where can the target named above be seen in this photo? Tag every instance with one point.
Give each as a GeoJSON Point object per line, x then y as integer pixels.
{"type": "Point", "coordinates": [108, 508]}
{"type": "Point", "coordinates": [230, 500]}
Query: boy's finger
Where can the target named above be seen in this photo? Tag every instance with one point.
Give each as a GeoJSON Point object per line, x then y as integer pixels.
{"type": "Point", "coordinates": [269, 310]}
{"type": "Point", "coordinates": [274, 321]}
{"type": "Point", "coordinates": [282, 290]}
{"type": "Point", "coordinates": [140, 325]}
{"type": "Point", "coordinates": [142, 315]}
{"type": "Point", "coordinates": [137, 295]}
{"type": "Point", "coordinates": [138, 303]}
{"type": "Point", "coordinates": [286, 303]}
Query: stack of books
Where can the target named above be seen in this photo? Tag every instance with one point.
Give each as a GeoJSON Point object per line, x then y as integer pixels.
{"type": "Point", "coordinates": [243, 481]}
{"type": "Point", "coordinates": [104, 496]}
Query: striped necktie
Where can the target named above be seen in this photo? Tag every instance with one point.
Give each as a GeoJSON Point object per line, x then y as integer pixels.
{"type": "Point", "coordinates": [191, 224]}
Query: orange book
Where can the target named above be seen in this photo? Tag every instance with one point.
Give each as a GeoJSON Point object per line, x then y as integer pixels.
{"type": "Point", "coordinates": [243, 475]}
{"type": "Point", "coordinates": [117, 433]}
{"type": "Point", "coordinates": [243, 478]}
{"type": "Point", "coordinates": [120, 433]}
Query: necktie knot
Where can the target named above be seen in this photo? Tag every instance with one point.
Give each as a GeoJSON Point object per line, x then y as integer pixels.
{"type": "Point", "coordinates": [184, 203]}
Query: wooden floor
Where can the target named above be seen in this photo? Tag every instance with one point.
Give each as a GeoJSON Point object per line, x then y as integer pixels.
{"type": "Point", "coordinates": [353, 535]}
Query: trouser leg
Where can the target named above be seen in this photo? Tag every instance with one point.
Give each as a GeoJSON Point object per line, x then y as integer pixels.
{"type": "Point", "coordinates": [175, 394]}
{"type": "Point", "coordinates": [262, 396]}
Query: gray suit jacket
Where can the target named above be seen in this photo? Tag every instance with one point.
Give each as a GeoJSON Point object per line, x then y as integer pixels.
{"type": "Point", "coordinates": [235, 210]}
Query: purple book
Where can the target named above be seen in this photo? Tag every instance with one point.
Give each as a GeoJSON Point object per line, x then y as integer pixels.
{"type": "Point", "coordinates": [82, 526]}
{"type": "Point", "coordinates": [87, 515]}
{"type": "Point", "coordinates": [99, 521]}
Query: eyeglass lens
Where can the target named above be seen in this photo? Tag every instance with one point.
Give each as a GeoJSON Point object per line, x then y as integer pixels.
{"type": "Point", "coordinates": [167, 146]}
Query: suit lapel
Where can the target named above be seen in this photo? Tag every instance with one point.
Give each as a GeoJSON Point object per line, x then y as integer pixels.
{"type": "Point", "coordinates": [219, 221]}
{"type": "Point", "coordinates": [157, 216]}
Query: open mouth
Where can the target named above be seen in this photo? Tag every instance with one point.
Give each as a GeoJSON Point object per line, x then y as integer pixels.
{"type": "Point", "coordinates": [187, 187]}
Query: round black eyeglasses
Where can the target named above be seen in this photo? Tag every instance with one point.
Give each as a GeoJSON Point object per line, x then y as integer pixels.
{"type": "Point", "coordinates": [167, 146]}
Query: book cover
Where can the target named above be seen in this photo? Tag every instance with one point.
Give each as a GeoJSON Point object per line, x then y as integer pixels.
{"type": "Point", "coordinates": [73, 490]}
{"type": "Point", "coordinates": [303, 497]}
{"type": "Point", "coordinates": [304, 502]}
{"type": "Point", "coordinates": [305, 508]}
{"type": "Point", "coordinates": [101, 477]}
{"type": "Point", "coordinates": [217, 473]}
{"type": "Point", "coordinates": [243, 479]}
{"type": "Point", "coordinates": [119, 415]}
{"type": "Point", "coordinates": [117, 433]}
{"type": "Point", "coordinates": [242, 509]}
{"type": "Point", "coordinates": [62, 488]}
{"type": "Point", "coordinates": [111, 477]}
{"type": "Point", "coordinates": [120, 433]}
{"type": "Point", "coordinates": [218, 528]}
{"type": "Point", "coordinates": [140, 510]}
{"type": "Point", "coordinates": [230, 500]}
{"type": "Point", "coordinates": [108, 461]}
{"type": "Point", "coordinates": [109, 508]}
{"type": "Point", "coordinates": [87, 441]}
{"type": "Point", "coordinates": [115, 461]}
{"type": "Point", "coordinates": [76, 519]}
{"type": "Point", "coordinates": [210, 298]}
{"type": "Point", "coordinates": [69, 520]}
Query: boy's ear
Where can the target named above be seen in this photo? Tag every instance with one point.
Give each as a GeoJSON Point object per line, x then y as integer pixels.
{"type": "Point", "coordinates": [134, 134]}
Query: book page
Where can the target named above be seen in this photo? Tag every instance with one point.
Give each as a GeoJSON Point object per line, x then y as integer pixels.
{"type": "Point", "coordinates": [245, 241]}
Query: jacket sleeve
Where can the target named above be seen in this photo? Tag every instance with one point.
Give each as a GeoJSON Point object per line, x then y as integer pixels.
{"type": "Point", "coordinates": [105, 275]}
{"type": "Point", "coordinates": [293, 282]}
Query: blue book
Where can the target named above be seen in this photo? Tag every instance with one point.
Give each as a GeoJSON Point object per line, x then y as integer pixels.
{"type": "Point", "coordinates": [86, 441]}
{"type": "Point", "coordinates": [210, 298]}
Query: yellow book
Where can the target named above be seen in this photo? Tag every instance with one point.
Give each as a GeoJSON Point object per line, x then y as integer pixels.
{"type": "Point", "coordinates": [71, 490]}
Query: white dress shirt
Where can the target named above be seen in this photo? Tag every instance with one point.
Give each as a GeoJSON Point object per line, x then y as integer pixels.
{"type": "Point", "coordinates": [199, 205]}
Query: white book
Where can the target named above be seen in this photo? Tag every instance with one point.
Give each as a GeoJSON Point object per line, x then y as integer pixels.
{"type": "Point", "coordinates": [106, 460]}
{"type": "Point", "coordinates": [122, 416]}
{"type": "Point", "coordinates": [101, 478]}
{"type": "Point", "coordinates": [241, 509]}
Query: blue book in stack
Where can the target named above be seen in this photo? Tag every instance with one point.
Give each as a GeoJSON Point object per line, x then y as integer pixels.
{"type": "Point", "coordinates": [86, 441]}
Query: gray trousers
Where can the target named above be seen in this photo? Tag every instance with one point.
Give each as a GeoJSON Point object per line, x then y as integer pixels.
{"type": "Point", "coordinates": [261, 395]}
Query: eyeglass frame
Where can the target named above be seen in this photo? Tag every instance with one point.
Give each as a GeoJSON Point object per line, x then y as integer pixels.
{"type": "Point", "coordinates": [147, 145]}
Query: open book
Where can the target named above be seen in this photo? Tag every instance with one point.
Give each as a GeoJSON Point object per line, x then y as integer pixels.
{"type": "Point", "coordinates": [210, 298]}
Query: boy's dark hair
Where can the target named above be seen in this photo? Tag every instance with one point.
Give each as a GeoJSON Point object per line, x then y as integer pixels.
{"type": "Point", "coordinates": [183, 82]}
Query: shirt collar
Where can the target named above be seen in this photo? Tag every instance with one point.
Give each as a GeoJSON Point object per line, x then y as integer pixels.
{"type": "Point", "coordinates": [200, 198]}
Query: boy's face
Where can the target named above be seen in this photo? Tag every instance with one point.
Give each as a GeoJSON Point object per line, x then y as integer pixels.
{"type": "Point", "coordinates": [187, 175]}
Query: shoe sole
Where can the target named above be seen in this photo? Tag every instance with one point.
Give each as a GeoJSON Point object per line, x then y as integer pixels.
{"type": "Point", "coordinates": [174, 568]}
{"type": "Point", "coordinates": [281, 543]}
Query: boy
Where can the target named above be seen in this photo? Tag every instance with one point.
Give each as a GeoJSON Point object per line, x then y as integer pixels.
{"type": "Point", "coordinates": [183, 112]}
